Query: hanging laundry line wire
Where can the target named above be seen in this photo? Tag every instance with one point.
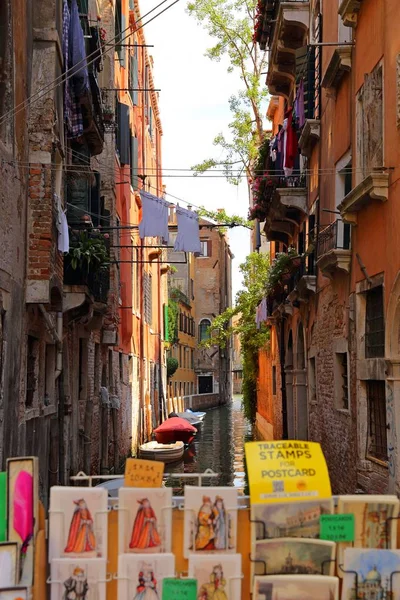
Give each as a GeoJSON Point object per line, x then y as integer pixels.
{"type": "Point", "coordinates": [83, 63]}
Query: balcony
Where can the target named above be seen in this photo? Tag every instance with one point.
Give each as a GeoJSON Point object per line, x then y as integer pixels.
{"type": "Point", "coordinates": [333, 249]}
{"type": "Point", "coordinates": [286, 35]}
{"type": "Point", "coordinates": [87, 279]}
{"type": "Point", "coordinates": [349, 10]}
{"type": "Point", "coordinates": [287, 209]}
{"type": "Point", "coordinates": [309, 136]}
{"type": "Point", "coordinates": [339, 64]}
{"type": "Point", "coordinates": [373, 187]}
{"type": "Point", "coordinates": [303, 281]}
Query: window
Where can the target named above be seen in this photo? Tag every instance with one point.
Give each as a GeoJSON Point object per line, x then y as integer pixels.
{"type": "Point", "coordinates": [32, 367]}
{"type": "Point", "coordinates": [375, 324]}
{"type": "Point", "coordinates": [50, 368]}
{"type": "Point", "coordinates": [148, 294]}
{"type": "Point", "coordinates": [133, 75]}
{"type": "Point", "coordinates": [6, 68]}
{"type": "Point", "coordinates": [205, 384]}
{"type": "Point", "coordinates": [120, 27]}
{"type": "Point", "coordinates": [377, 427]}
{"type": "Point", "coordinates": [204, 330]}
{"type": "Point", "coordinates": [341, 381]}
{"type": "Point", "coordinates": [312, 380]}
{"type": "Point", "coordinates": [369, 124]}
{"type": "Point", "coordinates": [122, 137]}
{"type": "Point", "coordinates": [205, 248]}
{"type": "Point", "coordinates": [273, 380]}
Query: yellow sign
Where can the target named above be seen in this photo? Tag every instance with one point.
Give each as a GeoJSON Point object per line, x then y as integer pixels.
{"type": "Point", "coordinates": [286, 471]}
{"type": "Point", "coordinates": [143, 473]}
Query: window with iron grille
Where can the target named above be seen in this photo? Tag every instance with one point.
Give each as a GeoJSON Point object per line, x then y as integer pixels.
{"type": "Point", "coordinates": [147, 282]}
{"type": "Point", "coordinates": [377, 426]}
{"type": "Point", "coordinates": [341, 381]}
{"type": "Point", "coordinates": [375, 324]}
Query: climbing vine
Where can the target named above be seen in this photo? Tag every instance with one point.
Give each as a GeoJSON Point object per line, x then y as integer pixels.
{"type": "Point", "coordinates": [255, 271]}
{"type": "Point", "coordinates": [173, 316]}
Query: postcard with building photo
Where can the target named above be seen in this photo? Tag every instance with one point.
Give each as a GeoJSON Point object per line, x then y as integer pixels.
{"type": "Point", "coordinates": [291, 519]}
{"type": "Point", "coordinates": [293, 556]}
{"type": "Point", "coordinates": [144, 520]}
{"type": "Point", "coordinates": [296, 587]}
{"type": "Point", "coordinates": [210, 519]}
{"type": "Point", "coordinates": [78, 579]}
{"type": "Point", "coordinates": [219, 576]}
{"type": "Point", "coordinates": [78, 522]}
{"type": "Point", "coordinates": [374, 569]}
{"type": "Point", "coordinates": [141, 576]}
{"type": "Point", "coordinates": [375, 522]}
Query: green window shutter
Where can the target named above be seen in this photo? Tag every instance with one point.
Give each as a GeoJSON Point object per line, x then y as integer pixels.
{"type": "Point", "coordinates": [166, 323]}
{"type": "Point", "coordinates": [134, 162]}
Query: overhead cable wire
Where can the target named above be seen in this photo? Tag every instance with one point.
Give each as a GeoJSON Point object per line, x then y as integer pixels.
{"type": "Point", "coordinates": [65, 76]}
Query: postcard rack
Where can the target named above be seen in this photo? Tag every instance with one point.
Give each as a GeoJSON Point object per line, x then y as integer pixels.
{"type": "Point", "coordinates": [265, 571]}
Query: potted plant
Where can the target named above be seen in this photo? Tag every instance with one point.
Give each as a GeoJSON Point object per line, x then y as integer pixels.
{"type": "Point", "coordinates": [89, 252]}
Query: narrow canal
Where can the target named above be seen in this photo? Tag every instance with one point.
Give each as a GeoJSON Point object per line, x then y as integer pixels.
{"type": "Point", "coordinates": [219, 446]}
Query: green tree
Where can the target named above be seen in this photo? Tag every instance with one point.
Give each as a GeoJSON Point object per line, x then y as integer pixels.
{"type": "Point", "coordinates": [231, 23]}
{"type": "Point", "coordinates": [255, 271]}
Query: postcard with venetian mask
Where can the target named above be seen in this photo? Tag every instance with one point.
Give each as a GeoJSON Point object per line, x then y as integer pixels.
{"type": "Point", "coordinates": [293, 556]}
{"type": "Point", "coordinates": [375, 522]}
{"type": "Point", "coordinates": [374, 569]}
{"type": "Point", "coordinates": [78, 522]}
{"type": "Point", "coordinates": [23, 510]}
{"type": "Point", "coordinates": [9, 563]}
{"type": "Point", "coordinates": [14, 593]}
{"type": "Point", "coordinates": [144, 520]}
{"type": "Point", "coordinates": [219, 576]}
{"type": "Point", "coordinates": [290, 519]}
{"type": "Point", "coordinates": [140, 576]}
{"type": "Point", "coordinates": [210, 520]}
{"type": "Point", "coordinates": [296, 587]}
{"type": "Point", "coordinates": [78, 579]}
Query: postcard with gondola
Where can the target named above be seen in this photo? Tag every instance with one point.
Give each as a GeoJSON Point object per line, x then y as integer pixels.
{"type": "Point", "coordinates": [377, 574]}
{"type": "Point", "coordinates": [144, 520]}
{"type": "Point", "coordinates": [78, 522]}
{"type": "Point", "coordinates": [78, 579]}
{"type": "Point", "coordinates": [210, 520]}
{"type": "Point", "coordinates": [296, 587]}
{"type": "Point", "coordinates": [289, 519]}
{"type": "Point", "coordinates": [219, 576]}
{"type": "Point", "coordinates": [375, 522]}
{"type": "Point", "coordinates": [14, 593]}
{"type": "Point", "coordinates": [9, 563]}
{"type": "Point", "coordinates": [293, 556]}
{"type": "Point", "coordinates": [140, 576]}
{"type": "Point", "coordinates": [23, 510]}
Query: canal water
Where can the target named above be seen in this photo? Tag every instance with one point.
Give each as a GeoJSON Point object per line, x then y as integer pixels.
{"type": "Point", "coordinates": [219, 445]}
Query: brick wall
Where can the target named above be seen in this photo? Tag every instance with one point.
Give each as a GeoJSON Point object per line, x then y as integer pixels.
{"type": "Point", "coordinates": [202, 401]}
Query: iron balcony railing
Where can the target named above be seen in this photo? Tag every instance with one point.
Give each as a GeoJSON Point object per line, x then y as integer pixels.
{"type": "Point", "coordinates": [336, 236]}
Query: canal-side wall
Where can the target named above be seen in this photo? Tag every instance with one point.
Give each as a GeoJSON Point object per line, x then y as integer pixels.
{"type": "Point", "coordinates": [202, 401]}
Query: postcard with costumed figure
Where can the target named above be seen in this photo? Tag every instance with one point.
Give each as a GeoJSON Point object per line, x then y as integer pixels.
{"type": "Point", "coordinates": [219, 576]}
{"type": "Point", "coordinates": [78, 579]}
{"type": "Point", "coordinates": [376, 578]}
{"type": "Point", "coordinates": [293, 556]}
{"type": "Point", "coordinates": [140, 576]}
{"type": "Point", "coordinates": [144, 520]}
{"type": "Point", "coordinates": [375, 522]}
{"type": "Point", "coordinates": [78, 522]}
{"type": "Point", "coordinates": [296, 587]}
{"type": "Point", "coordinates": [290, 519]}
{"type": "Point", "coordinates": [14, 593]}
{"type": "Point", "coordinates": [210, 520]}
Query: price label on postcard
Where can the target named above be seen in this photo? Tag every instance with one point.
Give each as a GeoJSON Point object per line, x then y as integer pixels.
{"type": "Point", "coordinates": [337, 528]}
{"type": "Point", "coordinates": [179, 589]}
{"type": "Point", "coordinates": [286, 471]}
{"type": "Point", "coordinates": [143, 473]}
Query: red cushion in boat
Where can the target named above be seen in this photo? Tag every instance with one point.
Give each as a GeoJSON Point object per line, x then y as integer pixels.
{"type": "Point", "coordinates": [175, 424]}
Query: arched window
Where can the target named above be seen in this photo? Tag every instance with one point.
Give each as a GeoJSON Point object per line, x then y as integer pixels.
{"type": "Point", "coordinates": [204, 330]}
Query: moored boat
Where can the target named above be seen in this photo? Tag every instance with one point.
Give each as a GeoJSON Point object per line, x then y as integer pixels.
{"type": "Point", "coordinates": [166, 453]}
{"type": "Point", "coordinates": [196, 413]}
{"type": "Point", "coordinates": [189, 417]}
{"type": "Point", "coordinates": [175, 429]}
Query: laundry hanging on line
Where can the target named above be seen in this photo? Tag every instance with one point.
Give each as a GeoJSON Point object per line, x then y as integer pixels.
{"type": "Point", "coordinates": [62, 226]}
{"type": "Point", "coordinates": [261, 313]}
{"type": "Point", "coordinates": [154, 221]}
{"type": "Point", "coordinates": [188, 238]}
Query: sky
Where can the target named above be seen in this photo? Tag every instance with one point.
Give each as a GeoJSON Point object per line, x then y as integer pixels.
{"type": "Point", "coordinates": [194, 109]}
